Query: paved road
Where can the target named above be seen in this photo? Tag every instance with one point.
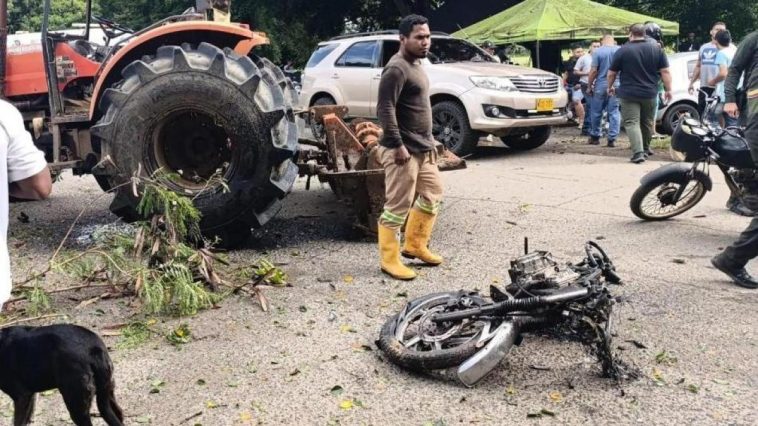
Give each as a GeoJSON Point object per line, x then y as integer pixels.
{"type": "Point", "coordinates": [279, 367]}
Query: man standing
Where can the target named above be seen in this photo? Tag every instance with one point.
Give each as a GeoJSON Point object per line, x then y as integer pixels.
{"type": "Point", "coordinates": [640, 63]}
{"type": "Point", "coordinates": [23, 174]}
{"type": "Point", "coordinates": [733, 259]}
{"type": "Point", "coordinates": [689, 45]}
{"type": "Point", "coordinates": [600, 100]}
{"type": "Point", "coordinates": [724, 59]}
{"type": "Point", "coordinates": [583, 68]}
{"type": "Point", "coordinates": [706, 68]}
{"type": "Point", "coordinates": [408, 153]}
{"type": "Point", "coordinates": [573, 82]}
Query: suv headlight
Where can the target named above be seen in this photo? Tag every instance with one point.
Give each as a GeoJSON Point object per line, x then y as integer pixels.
{"type": "Point", "coordinates": [494, 83]}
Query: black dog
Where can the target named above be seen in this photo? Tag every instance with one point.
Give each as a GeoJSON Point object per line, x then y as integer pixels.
{"type": "Point", "coordinates": [67, 357]}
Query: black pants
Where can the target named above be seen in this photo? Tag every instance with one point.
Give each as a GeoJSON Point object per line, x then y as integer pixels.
{"type": "Point", "coordinates": [701, 97]}
{"type": "Point", "coordinates": [746, 246]}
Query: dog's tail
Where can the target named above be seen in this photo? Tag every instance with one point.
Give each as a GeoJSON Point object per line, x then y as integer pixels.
{"type": "Point", "coordinates": [102, 367]}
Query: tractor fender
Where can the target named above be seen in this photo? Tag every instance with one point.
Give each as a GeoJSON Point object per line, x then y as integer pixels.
{"type": "Point", "coordinates": [676, 172]}
{"type": "Point", "coordinates": [234, 36]}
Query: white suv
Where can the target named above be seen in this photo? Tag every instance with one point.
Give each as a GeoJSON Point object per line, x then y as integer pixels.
{"type": "Point", "coordinates": [472, 95]}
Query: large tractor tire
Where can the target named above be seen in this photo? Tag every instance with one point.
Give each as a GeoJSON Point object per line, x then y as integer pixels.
{"type": "Point", "coordinates": [203, 116]}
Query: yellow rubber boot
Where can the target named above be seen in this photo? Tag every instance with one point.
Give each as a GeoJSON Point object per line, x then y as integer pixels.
{"type": "Point", "coordinates": [389, 248]}
{"type": "Point", "coordinates": [418, 231]}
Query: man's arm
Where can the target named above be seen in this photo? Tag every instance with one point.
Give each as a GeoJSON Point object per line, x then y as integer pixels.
{"type": "Point", "coordinates": [389, 92]}
{"type": "Point", "coordinates": [28, 175]}
{"type": "Point", "coordinates": [721, 76]}
{"type": "Point", "coordinates": [666, 77]}
{"type": "Point", "coordinates": [592, 77]}
{"type": "Point", "coordinates": [740, 62]}
{"type": "Point", "coordinates": [36, 187]}
{"type": "Point", "coordinates": [613, 70]}
{"type": "Point", "coordinates": [695, 75]}
{"type": "Point", "coordinates": [390, 88]}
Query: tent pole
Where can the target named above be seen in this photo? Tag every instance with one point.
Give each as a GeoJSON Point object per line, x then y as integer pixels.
{"type": "Point", "coordinates": [538, 54]}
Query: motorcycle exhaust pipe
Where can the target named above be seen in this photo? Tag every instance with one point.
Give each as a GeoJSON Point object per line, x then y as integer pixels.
{"type": "Point", "coordinates": [566, 294]}
{"type": "Point", "coordinates": [483, 362]}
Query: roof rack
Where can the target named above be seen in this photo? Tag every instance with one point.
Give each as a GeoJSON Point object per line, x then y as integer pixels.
{"type": "Point", "coordinates": [382, 32]}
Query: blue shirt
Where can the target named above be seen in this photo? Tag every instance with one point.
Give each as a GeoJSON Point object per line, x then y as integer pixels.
{"type": "Point", "coordinates": [601, 60]}
{"type": "Point", "coordinates": [723, 58]}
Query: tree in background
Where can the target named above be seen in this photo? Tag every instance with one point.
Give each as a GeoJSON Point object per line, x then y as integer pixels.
{"type": "Point", "coordinates": [741, 16]}
{"type": "Point", "coordinates": [26, 15]}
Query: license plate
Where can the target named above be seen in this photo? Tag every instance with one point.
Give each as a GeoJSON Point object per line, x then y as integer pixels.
{"type": "Point", "coordinates": [544, 105]}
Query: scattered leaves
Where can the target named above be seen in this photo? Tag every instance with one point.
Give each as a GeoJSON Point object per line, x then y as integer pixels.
{"type": "Point", "coordinates": [348, 279]}
{"type": "Point", "coordinates": [180, 335]}
{"type": "Point", "coordinates": [555, 396]}
{"type": "Point", "coordinates": [361, 347]}
{"type": "Point", "coordinates": [543, 412]}
{"type": "Point", "coordinates": [658, 377]}
{"type": "Point", "coordinates": [637, 343]}
{"type": "Point", "coordinates": [510, 390]}
{"type": "Point", "coordinates": [665, 358]}
{"type": "Point", "coordinates": [156, 385]}
{"type": "Point", "coordinates": [693, 388]}
{"type": "Point", "coordinates": [347, 328]}
{"type": "Point", "coordinates": [210, 404]}
{"type": "Point", "coordinates": [336, 390]}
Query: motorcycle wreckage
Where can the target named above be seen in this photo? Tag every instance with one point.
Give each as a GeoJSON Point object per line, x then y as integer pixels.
{"type": "Point", "coordinates": [473, 333]}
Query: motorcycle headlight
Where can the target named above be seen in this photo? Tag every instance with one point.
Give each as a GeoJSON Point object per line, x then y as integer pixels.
{"type": "Point", "coordinates": [495, 83]}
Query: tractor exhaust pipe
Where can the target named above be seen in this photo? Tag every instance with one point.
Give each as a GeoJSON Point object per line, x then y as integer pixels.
{"type": "Point", "coordinates": [3, 43]}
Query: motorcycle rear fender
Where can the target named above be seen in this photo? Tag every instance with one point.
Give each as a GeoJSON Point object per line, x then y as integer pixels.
{"type": "Point", "coordinates": [677, 172]}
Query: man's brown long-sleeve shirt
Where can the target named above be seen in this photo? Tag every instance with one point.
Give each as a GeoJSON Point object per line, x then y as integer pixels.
{"type": "Point", "coordinates": [403, 106]}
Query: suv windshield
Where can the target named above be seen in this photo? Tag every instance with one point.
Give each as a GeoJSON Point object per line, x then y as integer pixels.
{"type": "Point", "coordinates": [445, 50]}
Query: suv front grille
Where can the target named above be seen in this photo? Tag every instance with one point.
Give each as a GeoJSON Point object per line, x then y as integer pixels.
{"type": "Point", "coordinates": [535, 84]}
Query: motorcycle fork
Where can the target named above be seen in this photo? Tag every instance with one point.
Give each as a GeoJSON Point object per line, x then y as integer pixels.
{"type": "Point", "coordinates": [689, 176]}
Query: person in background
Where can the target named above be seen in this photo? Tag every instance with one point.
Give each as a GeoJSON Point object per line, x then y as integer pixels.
{"type": "Point", "coordinates": [572, 82]}
{"type": "Point", "coordinates": [489, 47]}
{"type": "Point", "coordinates": [723, 40]}
{"type": "Point", "coordinates": [23, 174]}
{"type": "Point", "coordinates": [689, 44]}
{"type": "Point", "coordinates": [599, 98]}
{"type": "Point", "coordinates": [706, 68]}
{"type": "Point", "coordinates": [654, 35]}
{"type": "Point", "coordinates": [641, 64]}
{"type": "Point", "coordinates": [582, 68]}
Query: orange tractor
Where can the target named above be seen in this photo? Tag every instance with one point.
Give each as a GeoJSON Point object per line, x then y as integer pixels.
{"type": "Point", "coordinates": [186, 101]}
{"type": "Point", "coordinates": [184, 96]}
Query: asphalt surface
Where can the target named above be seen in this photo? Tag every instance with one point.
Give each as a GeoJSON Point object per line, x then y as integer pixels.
{"type": "Point", "coordinates": [696, 331]}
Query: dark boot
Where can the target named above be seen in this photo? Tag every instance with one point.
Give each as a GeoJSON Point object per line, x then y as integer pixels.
{"type": "Point", "coordinates": [738, 274]}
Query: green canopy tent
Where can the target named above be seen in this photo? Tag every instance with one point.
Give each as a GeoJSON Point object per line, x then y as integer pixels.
{"type": "Point", "coordinates": [542, 20]}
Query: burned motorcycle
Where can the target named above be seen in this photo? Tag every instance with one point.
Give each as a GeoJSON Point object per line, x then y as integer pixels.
{"type": "Point", "coordinates": [675, 188]}
{"type": "Point", "coordinates": [472, 333]}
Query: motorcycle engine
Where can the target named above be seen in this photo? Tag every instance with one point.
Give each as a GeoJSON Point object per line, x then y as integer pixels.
{"type": "Point", "coordinates": [540, 269]}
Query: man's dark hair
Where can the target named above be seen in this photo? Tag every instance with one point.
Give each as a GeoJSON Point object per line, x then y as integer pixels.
{"type": "Point", "coordinates": [637, 30]}
{"type": "Point", "coordinates": [575, 46]}
{"type": "Point", "coordinates": [410, 21]}
{"type": "Point", "coordinates": [723, 38]}
{"type": "Point", "coordinates": [718, 23]}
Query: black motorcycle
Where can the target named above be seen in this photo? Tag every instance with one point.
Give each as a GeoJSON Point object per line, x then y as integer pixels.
{"type": "Point", "coordinates": [471, 333]}
{"type": "Point", "coordinates": [675, 188]}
